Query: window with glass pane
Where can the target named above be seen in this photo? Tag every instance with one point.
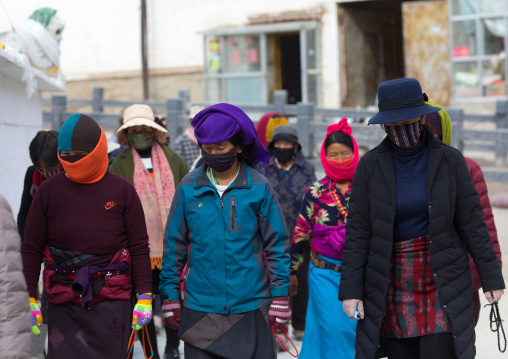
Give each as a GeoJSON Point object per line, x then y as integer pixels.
{"type": "Point", "coordinates": [464, 38]}
{"type": "Point", "coordinates": [214, 90]}
{"type": "Point", "coordinates": [311, 49]}
{"type": "Point", "coordinates": [494, 77]}
{"type": "Point", "coordinates": [465, 80]}
{"type": "Point", "coordinates": [494, 31]}
{"type": "Point", "coordinates": [312, 88]}
{"type": "Point", "coordinates": [213, 56]}
{"type": "Point", "coordinates": [493, 6]}
{"type": "Point", "coordinates": [464, 7]}
{"type": "Point", "coordinates": [243, 53]}
{"type": "Point", "coordinates": [245, 90]}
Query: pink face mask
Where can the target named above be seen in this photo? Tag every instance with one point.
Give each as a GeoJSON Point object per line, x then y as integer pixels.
{"type": "Point", "coordinates": [341, 164]}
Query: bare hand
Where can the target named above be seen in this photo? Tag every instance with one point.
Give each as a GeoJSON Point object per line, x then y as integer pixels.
{"type": "Point", "coordinates": [293, 285]}
{"type": "Point", "coordinates": [349, 306]}
{"type": "Point", "coordinates": [494, 295]}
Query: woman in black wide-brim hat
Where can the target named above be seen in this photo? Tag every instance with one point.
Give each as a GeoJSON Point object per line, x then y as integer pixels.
{"type": "Point", "coordinates": [414, 215]}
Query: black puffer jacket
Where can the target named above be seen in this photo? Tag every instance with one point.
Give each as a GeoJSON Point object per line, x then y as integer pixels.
{"type": "Point", "coordinates": [455, 224]}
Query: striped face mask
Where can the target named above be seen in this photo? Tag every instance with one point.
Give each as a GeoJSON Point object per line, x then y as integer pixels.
{"type": "Point", "coordinates": [404, 136]}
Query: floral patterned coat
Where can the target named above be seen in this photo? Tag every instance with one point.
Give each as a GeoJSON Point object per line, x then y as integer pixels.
{"type": "Point", "coordinates": [318, 207]}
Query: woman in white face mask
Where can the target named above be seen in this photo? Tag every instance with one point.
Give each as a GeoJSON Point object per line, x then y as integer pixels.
{"type": "Point", "coordinates": [155, 170]}
{"type": "Point", "coordinates": [413, 216]}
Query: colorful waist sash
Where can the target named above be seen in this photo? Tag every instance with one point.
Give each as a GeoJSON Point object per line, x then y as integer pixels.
{"type": "Point", "coordinates": [412, 305]}
{"type": "Point", "coordinates": [329, 240]}
{"type": "Point", "coordinates": [84, 278]}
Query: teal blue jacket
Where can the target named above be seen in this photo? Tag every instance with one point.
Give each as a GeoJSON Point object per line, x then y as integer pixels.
{"type": "Point", "coordinates": [222, 242]}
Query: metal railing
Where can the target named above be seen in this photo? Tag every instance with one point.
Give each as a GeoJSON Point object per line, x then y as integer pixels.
{"type": "Point", "coordinates": [310, 121]}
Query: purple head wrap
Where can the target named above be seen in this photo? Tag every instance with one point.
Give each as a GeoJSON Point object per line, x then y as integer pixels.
{"type": "Point", "coordinates": [222, 121]}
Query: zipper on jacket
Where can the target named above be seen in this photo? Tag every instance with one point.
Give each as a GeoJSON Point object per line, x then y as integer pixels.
{"type": "Point", "coordinates": [233, 213]}
{"type": "Point", "coordinates": [186, 275]}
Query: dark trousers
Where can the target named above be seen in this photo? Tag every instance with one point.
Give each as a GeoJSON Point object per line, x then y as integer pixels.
{"type": "Point", "coordinates": [299, 301]}
{"type": "Point", "coordinates": [431, 346]}
{"type": "Point", "coordinates": [172, 340]}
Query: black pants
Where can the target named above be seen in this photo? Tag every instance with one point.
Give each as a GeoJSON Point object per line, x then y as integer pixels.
{"type": "Point", "coordinates": [431, 346]}
{"type": "Point", "coordinates": [172, 340]}
{"type": "Point", "coordinates": [299, 301]}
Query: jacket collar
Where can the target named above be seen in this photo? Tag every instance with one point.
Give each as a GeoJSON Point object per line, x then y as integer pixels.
{"type": "Point", "coordinates": [243, 180]}
{"type": "Point", "coordinates": [436, 149]}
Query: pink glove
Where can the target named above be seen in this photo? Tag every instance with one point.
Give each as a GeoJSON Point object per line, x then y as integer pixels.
{"type": "Point", "coordinates": [279, 312]}
{"type": "Point", "coordinates": [172, 313]}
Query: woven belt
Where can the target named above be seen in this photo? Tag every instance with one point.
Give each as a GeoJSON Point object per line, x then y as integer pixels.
{"type": "Point", "coordinates": [319, 262]}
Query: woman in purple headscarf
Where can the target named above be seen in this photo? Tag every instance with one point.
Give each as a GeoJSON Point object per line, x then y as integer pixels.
{"type": "Point", "coordinates": [224, 216]}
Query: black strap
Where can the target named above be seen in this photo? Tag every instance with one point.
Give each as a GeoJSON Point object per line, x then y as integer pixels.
{"type": "Point", "coordinates": [385, 106]}
{"type": "Point", "coordinates": [496, 325]}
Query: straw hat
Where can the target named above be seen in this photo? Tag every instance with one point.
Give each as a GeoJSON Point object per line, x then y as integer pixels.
{"type": "Point", "coordinates": [194, 110]}
{"type": "Point", "coordinates": [138, 115]}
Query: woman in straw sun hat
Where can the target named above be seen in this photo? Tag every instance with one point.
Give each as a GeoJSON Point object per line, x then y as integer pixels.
{"type": "Point", "coordinates": [155, 170]}
{"type": "Point", "coordinates": [414, 215]}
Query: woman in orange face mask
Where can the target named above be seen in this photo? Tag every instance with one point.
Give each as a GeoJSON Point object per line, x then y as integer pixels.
{"type": "Point", "coordinates": [87, 224]}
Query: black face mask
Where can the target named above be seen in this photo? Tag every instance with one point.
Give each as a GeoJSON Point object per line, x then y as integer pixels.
{"type": "Point", "coordinates": [283, 155]}
{"type": "Point", "coordinates": [219, 162]}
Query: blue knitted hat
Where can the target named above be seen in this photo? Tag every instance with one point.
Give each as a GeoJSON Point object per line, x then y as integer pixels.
{"type": "Point", "coordinates": [399, 100]}
{"type": "Point", "coordinates": [79, 133]}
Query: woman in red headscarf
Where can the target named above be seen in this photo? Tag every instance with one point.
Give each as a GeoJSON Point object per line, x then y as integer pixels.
{"type": "Point", "coordinates": [267, 124]}
{"type": "Point", "coordinates": [329, 333]}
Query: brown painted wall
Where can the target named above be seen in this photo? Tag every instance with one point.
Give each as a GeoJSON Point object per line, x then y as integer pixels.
{"type": "Point", "coordinates": [427, 47]}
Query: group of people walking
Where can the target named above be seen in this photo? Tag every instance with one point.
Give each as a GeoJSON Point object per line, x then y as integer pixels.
{"type": "Point", "coordinates": [376, 255]}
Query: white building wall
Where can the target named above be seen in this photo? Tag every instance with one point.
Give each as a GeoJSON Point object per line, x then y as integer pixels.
{"type": "Point", "coordinates": [20, 119]}
{"type": "Point", "coordinates": [104, 36]}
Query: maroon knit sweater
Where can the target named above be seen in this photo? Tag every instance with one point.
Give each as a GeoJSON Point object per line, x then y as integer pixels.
{"type": "Point", "coordinates": [99, 218]}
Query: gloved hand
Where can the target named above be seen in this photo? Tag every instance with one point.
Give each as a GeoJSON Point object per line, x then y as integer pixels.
{"type": "Point", "coordinates": [36, 317]}
{"type": "Point", "coordinates": [172, 313]}
{"type": "Point", "coordinates": [279, 312]}
{"type": "Point", "coordinates": [142, 313]}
